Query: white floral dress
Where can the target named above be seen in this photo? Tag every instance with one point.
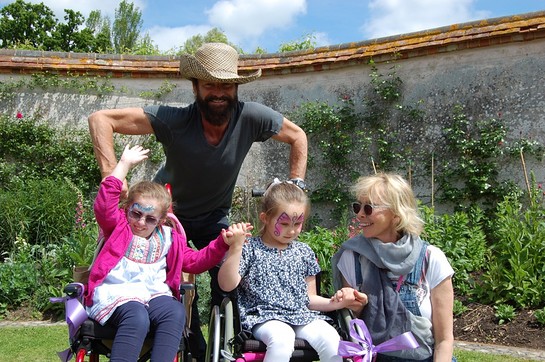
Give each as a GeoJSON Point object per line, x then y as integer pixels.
{"type": "Point", "coordinates": [138, 276]}
{"type": "Point", "coordinates": [273, 283]}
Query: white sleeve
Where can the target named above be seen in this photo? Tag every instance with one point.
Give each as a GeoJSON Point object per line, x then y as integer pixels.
{"type": "Point", "coordinates": [439, 267]}
{"type": "Point", "coordinates": [347, 267]}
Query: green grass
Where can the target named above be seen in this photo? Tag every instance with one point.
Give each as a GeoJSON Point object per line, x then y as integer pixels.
{"type": "Point", "coordinates": [32, 343]}
{"type": "Point", "coordinates": [42, 344]}
{"type": "Point", "coordinates": [472, 356]}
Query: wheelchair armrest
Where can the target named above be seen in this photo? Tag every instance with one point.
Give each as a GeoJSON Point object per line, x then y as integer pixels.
{"type": "Point", "coordinates": [74, 290]}
{"type": "Point", "coordinates": [185, 287]}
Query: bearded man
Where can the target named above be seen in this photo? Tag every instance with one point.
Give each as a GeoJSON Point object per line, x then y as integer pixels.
{"type": "Point", "coordinates": [205, 145]}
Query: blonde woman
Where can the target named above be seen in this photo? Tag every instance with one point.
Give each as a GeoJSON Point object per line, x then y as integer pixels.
{"type": "Point", "coordinates": [407, 281]}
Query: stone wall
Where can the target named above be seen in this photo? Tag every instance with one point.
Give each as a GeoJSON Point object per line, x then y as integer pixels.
{"type": "Point", "coordinates": [494, 68]}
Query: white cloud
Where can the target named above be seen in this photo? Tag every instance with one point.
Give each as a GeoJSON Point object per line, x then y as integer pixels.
{"type": "Point", "coordinates": [248, 19]}
{"type": "Point", "coordinates": [57, 6]}
{"type": "Point", "coordinates": [321, 39]}
{"type": "Point", "coordinates": [173, 38]}
{"type": "Point", "coordinates": [392, 17]}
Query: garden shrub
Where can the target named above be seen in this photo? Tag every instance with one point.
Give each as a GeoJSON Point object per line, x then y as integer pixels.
{"type": "Point", "coordinates": [39, 211]}
{"type": "Point", "coordinates": [31, 149]}
{"type": "Point", "coordinates": [462, 239]}
{"type": "Point", "coordinates": [514, 273]}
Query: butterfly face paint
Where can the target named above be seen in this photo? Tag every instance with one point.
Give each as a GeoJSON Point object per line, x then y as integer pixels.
{"type": "Point", "coordinates": [284, 222]}
{"type": "Point", "coordinates": [142, 208]}
{"type": "Point", "coordinates": [137, 212]}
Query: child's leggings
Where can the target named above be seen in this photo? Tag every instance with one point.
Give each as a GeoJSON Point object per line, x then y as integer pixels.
{"type": "Point", "coordinates": [279, 338]}
{"type": "Point", "coordinates": [164, 315]}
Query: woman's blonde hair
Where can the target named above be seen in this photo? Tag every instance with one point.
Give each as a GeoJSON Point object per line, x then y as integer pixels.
{"type": "Point", "coordinates": [151, 190]}
{"type": "Point", "coordinates": [282, 193]}
{"type": "Point", "coordinates": [393, 191]}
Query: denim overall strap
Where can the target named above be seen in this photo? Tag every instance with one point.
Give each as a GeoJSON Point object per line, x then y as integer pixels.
{"type": "Point", "coordinates": [408, 285]}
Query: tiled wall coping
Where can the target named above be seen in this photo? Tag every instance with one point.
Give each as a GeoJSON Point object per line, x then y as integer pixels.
{"type": "Point", "coordinates": [458, 37]}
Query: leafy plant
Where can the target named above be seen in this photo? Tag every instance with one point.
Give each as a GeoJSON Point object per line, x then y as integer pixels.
{"type": "Point", "coordinates": [337, 140]}
{"type": "Point", "coordinates": [540, 316]}
{"type": "Point", "coordinates": [325, 242]}
{"type": "Point", "coordinates": [82, 241]}
{"type": "Point", "coordinates": [462, 238]}
{"type": "Point", "coordinates": [514, 271]}
{"type": "Point", "coordinates": [307, 42]}
{"type": "Point", "coordinates": [32, 149]}
{"type": "Point", "coordinates": [504, 313]}
{"type": "Point", "coordinates": [165, 88]}
{"type": "Point", "coordinates": [469, 176]}
{"type": "Point", "coordinates": [458, 308]}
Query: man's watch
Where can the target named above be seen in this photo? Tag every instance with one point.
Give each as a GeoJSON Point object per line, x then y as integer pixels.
{"type": "Point", "coordinates": [299, 182]}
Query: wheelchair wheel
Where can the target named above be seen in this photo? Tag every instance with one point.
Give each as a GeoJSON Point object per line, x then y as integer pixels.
{"type": "Point", "coordinates": [214, 330]}
{"type": "Point", "coordinates": [220, 331]}
{"type": "Point", "coordinates": [228, 330]}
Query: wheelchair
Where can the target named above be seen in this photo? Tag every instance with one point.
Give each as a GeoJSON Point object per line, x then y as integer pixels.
{"type": "Point", "coordinates": [91, 340]}
{"type": "Point", "coordinates": [228, 342]}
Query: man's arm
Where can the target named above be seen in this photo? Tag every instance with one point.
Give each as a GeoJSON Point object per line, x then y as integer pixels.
{"type": "Point", "coordinates": [293, 135]}
{"type": "Point", "coordinates": [102, 126]}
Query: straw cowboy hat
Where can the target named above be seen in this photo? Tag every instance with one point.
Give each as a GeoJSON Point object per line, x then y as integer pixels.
{"type": "Point", "coordinates": [216, 62]}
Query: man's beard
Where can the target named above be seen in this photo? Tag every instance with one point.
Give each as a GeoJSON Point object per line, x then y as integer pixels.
{"type": "Point", "coordinates": [215, 115]}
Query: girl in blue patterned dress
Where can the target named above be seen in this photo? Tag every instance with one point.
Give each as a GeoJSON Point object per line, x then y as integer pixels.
{"type": "Point", "coordinates": [276, 279]}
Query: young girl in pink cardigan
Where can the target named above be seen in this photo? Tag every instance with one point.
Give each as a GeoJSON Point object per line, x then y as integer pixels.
{"type": "Point", "coordinates": [134, 282]}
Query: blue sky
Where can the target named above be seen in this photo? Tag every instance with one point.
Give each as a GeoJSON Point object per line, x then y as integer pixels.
{"type": "Point", "coordinates": [270, 23]}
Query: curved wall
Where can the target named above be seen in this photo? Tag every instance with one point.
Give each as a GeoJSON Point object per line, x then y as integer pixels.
{"type": "Point", "coordinates": [494, 67]}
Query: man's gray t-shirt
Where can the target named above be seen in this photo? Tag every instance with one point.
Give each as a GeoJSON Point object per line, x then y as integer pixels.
{"type": "Point", "coordinates": [203, 176]}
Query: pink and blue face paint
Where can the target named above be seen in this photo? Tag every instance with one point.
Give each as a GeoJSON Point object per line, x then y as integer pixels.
{"type": "Point", "coordinates": [293, 221]}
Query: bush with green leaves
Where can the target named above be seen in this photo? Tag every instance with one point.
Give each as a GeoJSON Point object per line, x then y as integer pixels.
{"type": "Point", "coordinates": [504, 313]}
{"type": "Point", "coordinates": [32, 149]}
{"type": "Point", "coordinates": [461, 237]}
{"type": "Point", "coordinates": [325, 242]}
{"type": "Point", "coordinates": [540, 316]}
{"type": "Point", "coordinates": [458, 308]}
{"type": "Point", "coordinates": [514, 271]}
{"type": "Point", "coordinates": [336, 137]}
{"type": "Point", "coordinates": [30, 274]}
{"type": "Point", "coordinates": [40, 211]}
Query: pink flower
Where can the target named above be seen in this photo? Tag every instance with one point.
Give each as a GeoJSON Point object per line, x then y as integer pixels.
{"type": "Point", "coordinates": [19, 115]}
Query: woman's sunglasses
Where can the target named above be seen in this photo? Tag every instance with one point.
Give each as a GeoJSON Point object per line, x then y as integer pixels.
{"type": "Point", "coordinates": [367, 208]}
{"type": "Point", "coordinates": [137, 216]}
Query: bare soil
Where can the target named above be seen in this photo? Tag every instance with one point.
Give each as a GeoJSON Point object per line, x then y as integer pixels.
{"type": "Point", "coordinates": [479, 324]}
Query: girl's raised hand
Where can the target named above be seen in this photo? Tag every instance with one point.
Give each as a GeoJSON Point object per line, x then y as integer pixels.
{"type": "Point", "coordinates": [134, 155]}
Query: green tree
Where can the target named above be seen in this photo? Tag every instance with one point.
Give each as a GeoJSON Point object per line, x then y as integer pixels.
{"type": "Point", "coordinates": [26, 23]}
{"type": "Point", "coordinates": [214, 35]}
{"type": "Point", "coordinates": [127, 25]}
{"type": "Point", "coordinates": [101, 27]}
{"type": "Point", "coordinates": [260, 50]}
{"type": "Point", "coordinates": [306, 42]}
{"type": "Point", "coordinates": [145, 46]}
{"type": "Point", "coordinates": [67, 36]}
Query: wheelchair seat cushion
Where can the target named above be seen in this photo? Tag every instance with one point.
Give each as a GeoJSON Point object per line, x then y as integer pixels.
{"type": "Point", "coordinates": [91, 328]}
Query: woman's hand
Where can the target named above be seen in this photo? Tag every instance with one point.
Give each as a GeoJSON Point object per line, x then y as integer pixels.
{"type": "Point", "coordinates": [350, 298]}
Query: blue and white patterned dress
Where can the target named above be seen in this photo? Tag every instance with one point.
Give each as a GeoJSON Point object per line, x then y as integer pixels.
{"type": "Point", "coordinates": [273, 283]}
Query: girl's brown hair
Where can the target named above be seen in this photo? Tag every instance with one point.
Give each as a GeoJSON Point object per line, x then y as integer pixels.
{"type": "Point", "coordinates": [152, 190]}
{"type": "Point", "coordinates": [281, 193]}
